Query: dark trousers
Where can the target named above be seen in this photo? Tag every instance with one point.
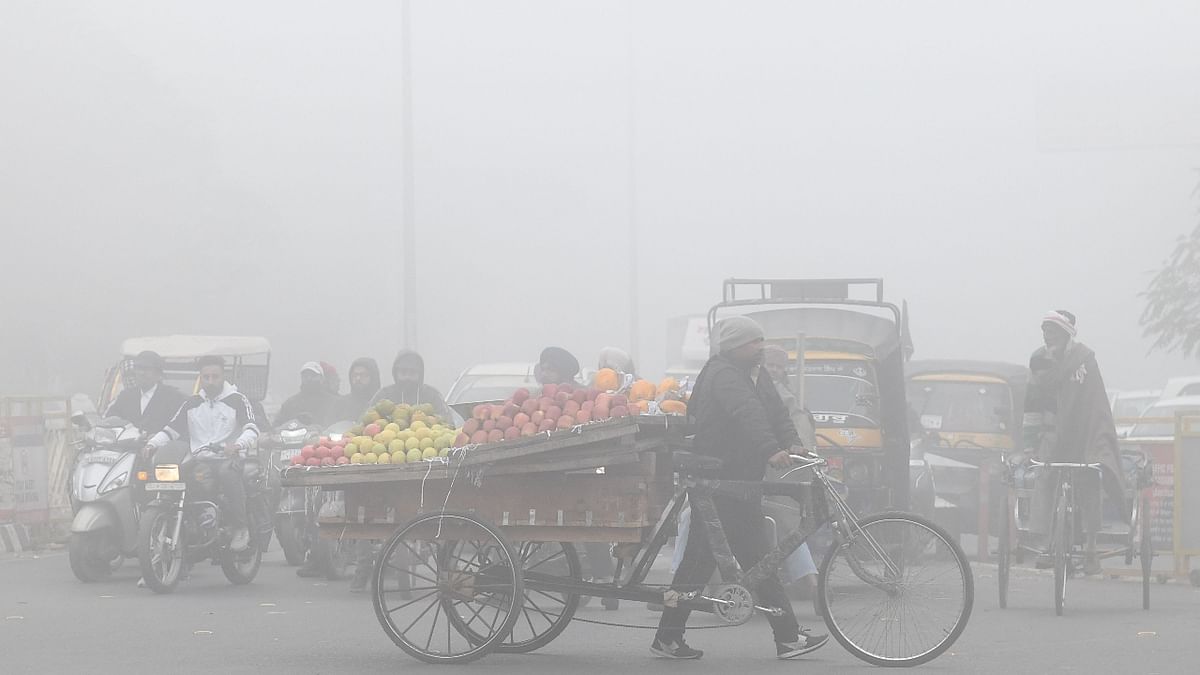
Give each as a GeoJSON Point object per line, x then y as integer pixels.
{"type": "Point", "coordinates": [233, 490]}
{"type": "Point", "coordinates": [743, 525]}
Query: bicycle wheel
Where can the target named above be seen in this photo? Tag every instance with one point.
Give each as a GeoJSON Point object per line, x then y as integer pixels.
{"type": "Point", "coordinates": [1004, 554]}
{"type": "Point", "coordinates": [439, 565]}
{"type": "Point", "coordinates": [544, 615]}
{"type": "Point", "coordinates": [1147, 549]}
{"type": "Point", "coordinates": [898, 591]}
{"type": "Point", "coordinates": [1063, 543]}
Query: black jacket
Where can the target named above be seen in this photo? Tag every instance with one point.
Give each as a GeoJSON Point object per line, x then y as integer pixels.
{"type": "Point", "coordinates": [315, 406]}
{"type": "Point", "coordinates": [420, 394]}
{"type": "Point", "coordinates": [739, 420]}
{"type": "Point", "coordinates": [161, 409]}
{"type": "Point", "coordinates": [354, 404]}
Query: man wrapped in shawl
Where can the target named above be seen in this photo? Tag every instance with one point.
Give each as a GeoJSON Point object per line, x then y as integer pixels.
{"type": "Point", "coordinates": [1068, 419]}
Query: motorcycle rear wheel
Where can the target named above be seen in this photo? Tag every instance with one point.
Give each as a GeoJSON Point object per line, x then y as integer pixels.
{"type": "Point", "coordinates": [240, 567]}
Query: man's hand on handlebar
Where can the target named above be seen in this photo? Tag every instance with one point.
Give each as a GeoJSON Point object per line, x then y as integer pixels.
{"type": "Point", "coordinates": [781, 459]}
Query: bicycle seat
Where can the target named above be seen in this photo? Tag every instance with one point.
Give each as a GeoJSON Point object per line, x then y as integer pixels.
{"type": "Point", "coordinates": [690, 462]}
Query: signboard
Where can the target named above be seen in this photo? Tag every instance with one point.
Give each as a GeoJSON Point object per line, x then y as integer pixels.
{"type": "Point", "coordinates": [1186, 483]}
{"type": "Point", "coordinates": [23, 473]}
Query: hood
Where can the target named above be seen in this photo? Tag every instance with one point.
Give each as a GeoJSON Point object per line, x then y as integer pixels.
{"type": "Point", "coordinates": [409, 355]}
{"type": "Point", "coordinates": [372, 368]}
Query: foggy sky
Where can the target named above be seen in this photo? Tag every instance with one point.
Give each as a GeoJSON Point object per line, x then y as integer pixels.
{"type": "Point", "coordinates": [234, 168]}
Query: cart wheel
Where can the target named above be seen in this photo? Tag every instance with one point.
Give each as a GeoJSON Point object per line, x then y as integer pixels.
{"type": "Point", "coordinates": [545, 614]}
{"type": "Point", "coordinates": [1004, 557]}
{"type": "Point", "coordinates": [1147, 550]}
{"type": "Point", "coordinates": [440, 566]}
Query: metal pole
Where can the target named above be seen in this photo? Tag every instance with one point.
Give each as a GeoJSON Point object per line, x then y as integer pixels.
{"type": "Point", "coordinates": [408, 207]}
{"type": "Point", "coordinates": [632, 215]}
{"type": "Point", "coordinates": [798, 382]}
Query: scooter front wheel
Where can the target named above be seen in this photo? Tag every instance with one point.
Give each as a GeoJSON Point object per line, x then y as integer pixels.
{"type": "Point", "coordinates": [160, 558]}
{"type": "Point", "coordinates": [85, 550]}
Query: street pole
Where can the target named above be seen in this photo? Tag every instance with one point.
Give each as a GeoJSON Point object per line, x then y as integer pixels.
{"type": "Point", "coordinates": [408, 206]}
{"type": "Point", "coordinates": [634, 333]}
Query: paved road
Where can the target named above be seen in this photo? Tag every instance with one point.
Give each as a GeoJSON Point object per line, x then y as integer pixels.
{"type": "Point", "coordinates": [52, 623]}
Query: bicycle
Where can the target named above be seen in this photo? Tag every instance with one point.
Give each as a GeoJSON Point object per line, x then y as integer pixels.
{"type": "Point", "coordinates": [894, 589]}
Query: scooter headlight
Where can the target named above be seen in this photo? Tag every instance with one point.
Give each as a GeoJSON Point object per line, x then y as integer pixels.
{"type": "Point", "coordinates": [113, 482]}
{"type": "Point", "coordinates": [166, 473]}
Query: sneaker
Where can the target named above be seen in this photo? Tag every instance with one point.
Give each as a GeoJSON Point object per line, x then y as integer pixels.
{"type": "Point", "coordinates": [804, 644]}
{"type": "Point", "coordinates": [674, 650]}
{"type": "Point", "coordinates": [241, 539]}
{"type": "Point", "coordinates": [141, 582]}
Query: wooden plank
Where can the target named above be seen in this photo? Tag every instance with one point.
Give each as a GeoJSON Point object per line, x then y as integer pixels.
{"type": "Point", "coordinates": [599, 535]}
{"type": "Point", "coordinates": [584, 499]}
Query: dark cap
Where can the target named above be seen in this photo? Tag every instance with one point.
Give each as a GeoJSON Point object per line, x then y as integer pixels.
{"type": "Point", "coordinates": [149, 359]}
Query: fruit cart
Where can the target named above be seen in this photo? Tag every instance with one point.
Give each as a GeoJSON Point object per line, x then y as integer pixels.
{"type": "Point", "coordinates": [532, 499]}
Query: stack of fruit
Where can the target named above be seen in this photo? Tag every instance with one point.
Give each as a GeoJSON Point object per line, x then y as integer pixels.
{"type": "Point", "coordinates": [522, 415]}
{"type": "Point", "coordinates": [645, 398]}
{"type": "Point", "coordinates": [389, 434]}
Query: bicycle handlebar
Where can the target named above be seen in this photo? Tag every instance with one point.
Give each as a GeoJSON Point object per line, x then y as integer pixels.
{"type": "Point", "coordinates": [1065, 465]}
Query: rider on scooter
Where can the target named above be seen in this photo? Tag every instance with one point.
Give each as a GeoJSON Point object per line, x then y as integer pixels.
{"type": "Point", "coordinates": [218, 424]}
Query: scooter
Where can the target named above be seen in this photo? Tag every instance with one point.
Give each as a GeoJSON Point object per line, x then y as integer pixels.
{"type": "Point", "coordinates": [290, 519]}
{"type": "Point", "coordinates": [103, 498]}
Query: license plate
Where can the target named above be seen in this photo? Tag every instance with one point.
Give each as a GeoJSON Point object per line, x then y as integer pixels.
{"type": "Point", "coordinates": [166, 487]}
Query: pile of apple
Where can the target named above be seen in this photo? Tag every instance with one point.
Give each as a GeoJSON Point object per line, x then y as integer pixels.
{"type": "Point", "coordinates": [522, 415]}
{"type": "Point", "coordinates": [325, 452]}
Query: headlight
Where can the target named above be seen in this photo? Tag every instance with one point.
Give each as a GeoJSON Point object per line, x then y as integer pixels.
{"type": "Point", "coordinates": [113, 482]}
{"type": "Point", "coordinates": [166, 473]}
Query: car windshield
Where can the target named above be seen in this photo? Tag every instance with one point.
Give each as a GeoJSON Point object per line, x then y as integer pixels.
{"type": "Point", "coordinates": [978, 407]}
{"type": "Point", "coordinates": [474, 388]}
{"type": "Point", "coordinates": [1160, 421]}
{"type": "Point", "coordinates": [842, 387]}
{"type": "Point", "coordinates": [1132, 406]}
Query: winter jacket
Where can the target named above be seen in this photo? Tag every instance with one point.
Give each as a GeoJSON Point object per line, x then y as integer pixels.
{"type": "Point", "coordinates": [420, 394]}
{"type": "Point", "coordinates": [316, 406]}
{"type": "Point", "coordinates": [739, 419]}
{"type": "Point", "coordinates": [204, 421]}
{"type": "Point", "coordinates": [353, 405]}
{"type": "Point", "coordinates": [162, 407]}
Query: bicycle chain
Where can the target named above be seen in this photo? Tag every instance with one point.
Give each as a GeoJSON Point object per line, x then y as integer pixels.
{"type": "Point", "coordinates": [630, 625]}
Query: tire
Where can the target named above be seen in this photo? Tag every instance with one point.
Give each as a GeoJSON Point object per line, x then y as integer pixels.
{"type": "Point", "coordinates": [1147, 550]}
{"type": "Point", "coordinates": [1064, 541]}
{"type": "Point", "coordinates": [451, 563]}
{"type": "Point", "coordinates": [161, 567]}
{"type": "Point", "coordinates": [880, 568]}
{"type": "Point", "coordinates": [289, 540]}
{"type": "Point", "coordinates": [85, 552]}
{"type": "Point", "coordinates": [1004, 555]}
{"type": "Point", "coordinates": [240, 568]}
{"type": "Point", "coordinates": [544, 615]}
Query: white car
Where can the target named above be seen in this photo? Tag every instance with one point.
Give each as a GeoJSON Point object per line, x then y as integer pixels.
{"type": "Point", "coordinates": [1182, 386]}
{"type": "Point", "coordinates": [491, 382]}
{"type": "Point", "coordinates": [1127, 406]}
{"type": "Point", "coordinates": [1158, 422]}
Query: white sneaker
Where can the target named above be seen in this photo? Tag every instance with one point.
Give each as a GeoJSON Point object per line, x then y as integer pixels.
{"type": "Point", "coordinates": [241, 539]}
{"type": "Point", "coordinates": [141, 582]}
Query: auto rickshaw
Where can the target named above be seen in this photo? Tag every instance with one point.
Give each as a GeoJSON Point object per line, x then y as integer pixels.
{"type": "Point", "coordinates": [966, 414]}
{"type": "Point", "coordinates": [846, 359]}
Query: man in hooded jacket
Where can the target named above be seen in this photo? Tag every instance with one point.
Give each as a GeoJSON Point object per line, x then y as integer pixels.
{"type": "Point", "coordinates": [408, 374]}
{"type": "Point", "coordinates": [314, 403]}
{"type": "Point", "coordinates": [1068, 419]}
{"type": "Point", "coordinates": [364, 384]}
